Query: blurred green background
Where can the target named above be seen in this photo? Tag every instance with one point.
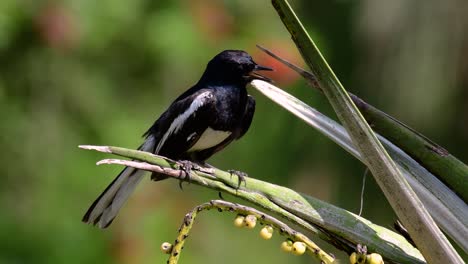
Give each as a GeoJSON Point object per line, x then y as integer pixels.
{"type": "Point", "coordinates": [100, 72]}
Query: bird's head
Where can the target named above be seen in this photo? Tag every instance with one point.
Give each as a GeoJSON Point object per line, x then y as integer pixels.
{"type": "Point", "coordinates": [234, 66]}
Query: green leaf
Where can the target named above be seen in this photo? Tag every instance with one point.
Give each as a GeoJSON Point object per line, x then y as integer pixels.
{"type": "Point", "coordinates": [422, 228]}
{"type": "Point", "coordinates": [445, 206]}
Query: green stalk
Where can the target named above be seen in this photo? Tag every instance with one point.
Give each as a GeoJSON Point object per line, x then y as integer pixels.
{"type": "Point", "coordinates": [449, 210]}
{"type": "Point", "coordinates": [433, 157]}
{"type": "Point", "coordinates": [337, 226]}
{"type": "Point", "coordinates": [422, 228]}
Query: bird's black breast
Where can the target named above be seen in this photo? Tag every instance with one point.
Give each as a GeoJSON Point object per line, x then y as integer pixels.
{"type": "Point", "coordinates": [231, 102]}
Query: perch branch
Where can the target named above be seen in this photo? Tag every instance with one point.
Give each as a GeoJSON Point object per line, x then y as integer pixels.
{"type": "Point", "coordinates": [339, 227]}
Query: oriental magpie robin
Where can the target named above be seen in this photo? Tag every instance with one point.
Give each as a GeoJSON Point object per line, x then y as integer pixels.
{"type": "Point", "coordinates": [199, 123]}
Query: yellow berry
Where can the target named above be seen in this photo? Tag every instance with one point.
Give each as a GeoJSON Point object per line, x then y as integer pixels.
{"type": "Point", "coordinates": [166, 247]}
{"type": "Point", "coordinates": [356, 258]}
{"type": "Point", "coordinates": [298, 248]}
{"type": "Point", "coordinates": [286, 246]}
{"type": "Point", "coordinates": [250, 221]}
{"type": "Point", "coordinates": [266, 232]}
{"type": "Point", "coordinates": [374, 258]}
{"type": "Point", "coordinates": [239, 221]}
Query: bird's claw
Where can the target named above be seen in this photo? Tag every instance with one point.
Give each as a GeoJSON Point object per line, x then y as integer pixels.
{"type": "Point", "coordinates": [186, 167]}
{"type": "Point", "coordinates": [240, 175]}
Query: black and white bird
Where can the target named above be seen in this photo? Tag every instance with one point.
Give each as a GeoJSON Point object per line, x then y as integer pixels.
{"type": "Point", "coordinates": [199, 123]}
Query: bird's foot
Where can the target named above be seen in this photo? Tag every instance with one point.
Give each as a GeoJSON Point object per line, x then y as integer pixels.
{"type": "Point", "coordinates": [186, 167]}
{"type": "Point", "coordinates": [240, 175]}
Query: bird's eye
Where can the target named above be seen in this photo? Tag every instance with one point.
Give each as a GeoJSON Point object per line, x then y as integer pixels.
{"type": "Point", "coordinates": [247, 67]}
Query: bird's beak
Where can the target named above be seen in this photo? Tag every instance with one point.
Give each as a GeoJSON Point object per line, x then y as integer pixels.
{"type": "Point", "coordinates": [254, 75]}
{"type": "Point", "coordinates": [262, 68]}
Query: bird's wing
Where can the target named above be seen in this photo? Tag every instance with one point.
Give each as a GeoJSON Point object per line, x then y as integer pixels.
{"type": "Point", "coordinates": [238, 133]}
{"type": "Point", "coordinates": [171, 135]}
{"type": "Point", "coordinates": [180, 126]}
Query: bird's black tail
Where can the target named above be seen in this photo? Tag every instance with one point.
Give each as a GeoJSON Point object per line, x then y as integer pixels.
{"type": "Point", "coordinates": [103, 211]}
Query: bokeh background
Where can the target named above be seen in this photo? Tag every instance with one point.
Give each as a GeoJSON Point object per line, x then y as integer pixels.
{"type": "Point", "coordinates": [100, 72]}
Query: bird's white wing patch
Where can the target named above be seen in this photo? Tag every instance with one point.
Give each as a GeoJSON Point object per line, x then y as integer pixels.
{"type": "Point", "coordinates": [209, 138]}
{"type": "Point", "coordinates": [178, 122]}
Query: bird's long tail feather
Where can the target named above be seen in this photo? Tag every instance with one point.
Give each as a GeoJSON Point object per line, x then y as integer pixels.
{"type": "Point", "coordinates": [105, 208]}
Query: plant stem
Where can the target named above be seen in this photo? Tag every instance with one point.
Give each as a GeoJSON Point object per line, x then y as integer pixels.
{"type": "Point", "coordinates": [424, 231]}
{"type": "Point", "coordinates": [337, 226]}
